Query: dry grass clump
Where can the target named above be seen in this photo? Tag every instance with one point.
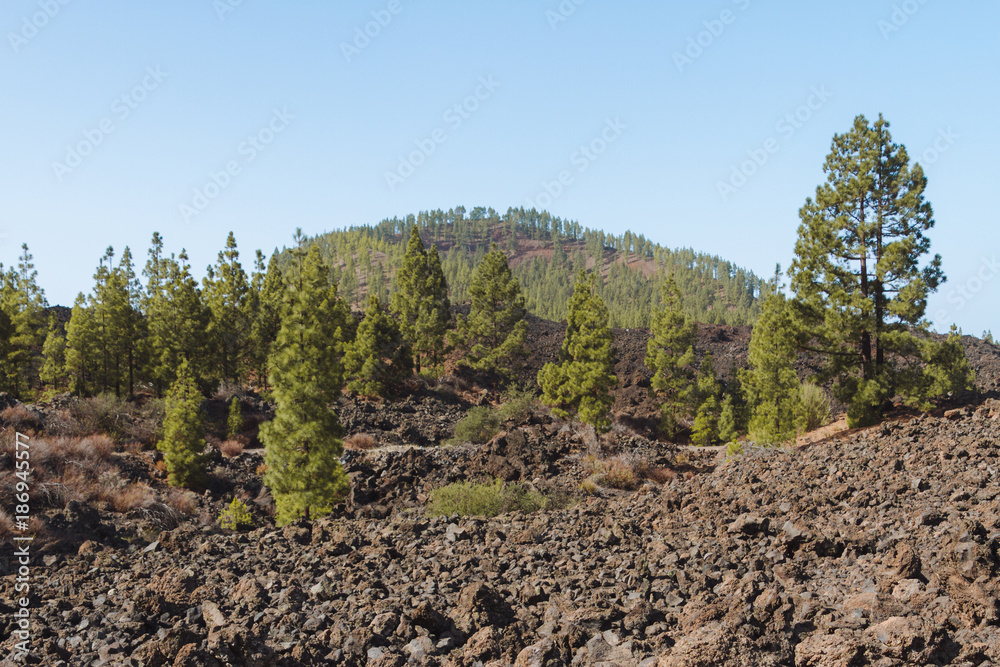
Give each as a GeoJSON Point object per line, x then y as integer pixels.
{"type": "Point", "coordinates": [21, 418]}
{"type": "Point", "coordinates": [360, 441]}
{"type": "Point", "coordinates": [183, 501]}
{"type": "Point", "coordinates": [231, 448]}
{"type": "Point", "coordinates": [622, 472]}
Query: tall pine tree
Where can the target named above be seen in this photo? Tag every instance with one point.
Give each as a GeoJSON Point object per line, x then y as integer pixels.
{"type": "Point", "coordinates": [860, 288]}
{"type": "Point", "coordinates": [183, 441]}
{"type": "Point", "coordinates": [670, 356]}
{"type": "Point", "coordinates": [378, 359]}
{"type": "Point", "coordinates": [226, 292]}
{"type": "Point", "coordinates": [771, 384]}
{"type": "Point", "coordinates": [302, 443]}
{"type": "Point", "coordinates": [420, 301]}
{"type": "Point", "coordinates": [491, 338]}
{"type": "Point", "coordinates": [582, 380]}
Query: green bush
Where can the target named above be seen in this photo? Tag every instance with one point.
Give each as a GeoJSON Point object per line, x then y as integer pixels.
{"type": "Point", "coordinates": [815, 407]}
{"type": "Point", "coordinates": [484, 499]}
{"type": "Point", "coordinates": [236, 516]}
{"type": "Point", "coordinates": [518, 405]}
{"type": "Point", "coordinates": [479, 425]}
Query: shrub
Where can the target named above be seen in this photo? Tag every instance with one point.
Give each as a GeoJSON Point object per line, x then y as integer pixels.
{"type": "Point", "coordinates": [479, 425]}
{"type": "Point", "coordinates": [518, 405]}
{"type": "Point", "coordinates": [128, 497]}
{"type": "Point", "coordinates": [234, 424]}
{"type": "Point", "coordinates": [360, 441]}
{"type": "Point", "coordinates": [182, 500]}
{"type": "Point", "coordinates": [484, 499]}
{"type": "Point", "coordinates": [618, 474]}
{"type": "Point", "coordinates": [589, 487]}
{"type": "Point", "coordinates": [734, 449]}
{"type": "Point", "coordinates": [236, 516]}
{"type": "Point", "coordinates": [815, 407]}
{"type": "Point", "coordinates": [21, 418]}
{"type": "Point", "coordinates": [231, 448]}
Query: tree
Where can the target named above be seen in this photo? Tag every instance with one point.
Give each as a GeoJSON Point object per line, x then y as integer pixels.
{"type": "Point", "coordinates": [53, 371]}
{"type": "Point", "coordinates": [177, 319]}
{"type": "Point", "coordinates": [491, 338]}
{"type": "Point", "coordinates": [860, 288]}
{"type": "Point", "coordinates": [707, 391]}
{"type": "Point", "coordinates": [770, 383]}
{"type": "Point", "coordinates": [81, 347]}
{"type": "Point", "coordinates": [582, 379]}
{"type": "Point", "coordinates": [379, 359]}
{"type": "Point", "coordinates": [234, 422]}
{"type": "Point", "coordinates": [183, 441]}
{"type": "Point", "coordinates": [268, 288]}
{"type": "Point", "coordinates": [420, 301]}
{"type": "Point", "coordinates": [302, 443]}
{"type": "Point", "coordinates": [728, 425]}
{"type": "Point", "coordinates": [226, 292]}
{"type": "Point", "coordinates": [670, 355]}
{"type": "Point", "coordinates": [23, 302]}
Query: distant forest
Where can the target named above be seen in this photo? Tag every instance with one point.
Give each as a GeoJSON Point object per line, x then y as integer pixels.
{"type": "Point", "coordinates": [545, 253]}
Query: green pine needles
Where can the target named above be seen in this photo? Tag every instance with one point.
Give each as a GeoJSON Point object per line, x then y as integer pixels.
{"type": "Point", "coordinates": [379, 359]}
{"type": "Point", "coordinates": [183, 441]}
{"type": "Point", "coordinates": [302, 443]}
{"type": "Point", "coordinates": [491, 338]}
{"type": "Point", "coordinates": [582, 380]}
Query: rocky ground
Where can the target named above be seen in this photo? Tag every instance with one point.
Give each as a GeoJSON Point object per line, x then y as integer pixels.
{"type": "Point", "coordinates": [875, 546]}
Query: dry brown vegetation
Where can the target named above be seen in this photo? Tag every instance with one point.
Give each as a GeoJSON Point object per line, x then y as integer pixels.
{"type": "Point", "coordinates": [232, 447]}
{"type": "Point", "coordinates": [360, 441]}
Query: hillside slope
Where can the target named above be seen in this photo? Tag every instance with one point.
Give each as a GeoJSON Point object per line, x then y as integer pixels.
{"type": "Point", "coordinates": [545, 252]}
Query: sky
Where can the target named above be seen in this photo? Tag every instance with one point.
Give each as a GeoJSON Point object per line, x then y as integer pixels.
{"type": "Point", "coordinates": [701, 125]}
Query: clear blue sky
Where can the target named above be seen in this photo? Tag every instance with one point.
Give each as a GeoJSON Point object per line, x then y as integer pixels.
{"type": "Point", "coordinates": [183, 86]}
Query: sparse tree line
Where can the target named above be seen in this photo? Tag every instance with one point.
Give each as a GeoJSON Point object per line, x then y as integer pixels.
{"type": "Point", "coordinates": [857, 306]}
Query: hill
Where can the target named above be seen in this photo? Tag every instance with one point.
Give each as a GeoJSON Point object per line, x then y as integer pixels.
{"type": "Point", "coordinates": [545, 253]}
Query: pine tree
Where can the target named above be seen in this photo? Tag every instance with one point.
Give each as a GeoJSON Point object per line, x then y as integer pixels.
{"type": "Point", "coordinates": [302, 443]}
{"type": "Point", "coordinates": [420, 301]}
{"type": "Point", "coordinates": [183, 441]}
{"type": "Point", "coordinates": [728, 425]}
{"type": "Point", "coordinates": [771, 384]}
{"type": "Point", "coordinates": [234, 422]}
{"type": "Point", "coordinates": [23, 302]}
{"type": "Point", "coordinates": [707, 391]}
{"type": "Point", "coordinates": [582, 379]}
{"type": "Point", "coordinates": [670, 356]}
{"type": "Point", "coordinates": [226, 292]}
{"type": "Point", "coordinates": [860, 290]}
{"type": "Point", "coordinates": [379, 359]}
{"type": "Point", "coordinates": [81, 348]}
{"type": "Point", "coordinates": [491, 338]}
{"type": "Point", "coordinates": [177, 319]}
{"type": "Point", "coordinates": [53, 371]}
{"type": "Point", "coordinates": [267, 316]}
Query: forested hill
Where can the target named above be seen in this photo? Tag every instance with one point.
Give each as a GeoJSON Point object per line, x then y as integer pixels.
{"type": "Point", "coordinates": [545, 253]}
